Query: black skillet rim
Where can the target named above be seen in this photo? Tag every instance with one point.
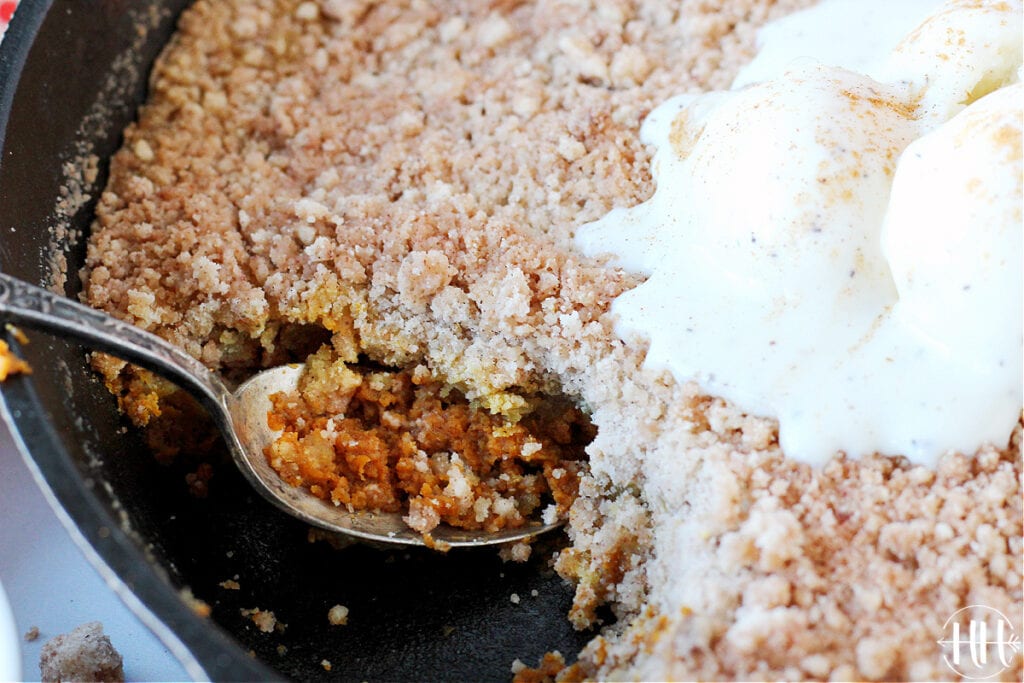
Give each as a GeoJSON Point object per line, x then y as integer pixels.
{"type": "Point", "coordinates": [209, 651]}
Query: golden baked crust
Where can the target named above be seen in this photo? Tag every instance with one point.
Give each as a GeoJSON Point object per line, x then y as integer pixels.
{"type": "Point", "coordinates": [408, 176]}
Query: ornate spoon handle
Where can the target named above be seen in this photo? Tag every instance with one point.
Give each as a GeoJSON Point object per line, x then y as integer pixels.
{"type": "Point", "coordinates": [36, 308]}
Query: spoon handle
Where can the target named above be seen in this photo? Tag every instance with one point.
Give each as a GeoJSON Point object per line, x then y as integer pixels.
{"type": "Point", "coordinates": [36, 308]}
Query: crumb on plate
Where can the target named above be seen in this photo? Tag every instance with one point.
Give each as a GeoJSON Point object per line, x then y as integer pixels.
{"type": "Point", "coordinates": [84, 654]}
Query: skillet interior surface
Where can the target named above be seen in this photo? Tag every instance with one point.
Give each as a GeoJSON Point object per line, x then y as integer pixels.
{"type": "Point", "coordinates": [71, 77]}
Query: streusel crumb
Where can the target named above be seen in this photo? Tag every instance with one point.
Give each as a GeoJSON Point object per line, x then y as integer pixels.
{"type": "Point", "coordinates": [84, 654]}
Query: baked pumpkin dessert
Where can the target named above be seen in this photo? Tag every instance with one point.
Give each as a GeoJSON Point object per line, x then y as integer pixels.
{"type": "Point", "coordinates": [500, 242]}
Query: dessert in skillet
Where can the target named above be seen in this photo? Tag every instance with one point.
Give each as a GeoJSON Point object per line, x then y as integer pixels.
{"type": "Point", "coordinates": [418, 197]}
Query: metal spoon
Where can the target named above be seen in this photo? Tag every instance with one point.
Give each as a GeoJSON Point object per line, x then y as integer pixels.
{"type": "Point", "coordinates": [241, 415]}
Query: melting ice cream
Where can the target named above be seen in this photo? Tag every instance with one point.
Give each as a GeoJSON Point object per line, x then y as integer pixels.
{"type": "Point", "coordinates": [837, 241]}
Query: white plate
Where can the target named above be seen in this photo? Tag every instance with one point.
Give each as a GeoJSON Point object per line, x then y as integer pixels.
{"type": "Point", "coordinates": [10, 656]}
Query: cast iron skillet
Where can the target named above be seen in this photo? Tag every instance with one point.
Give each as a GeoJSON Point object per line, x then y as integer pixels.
{"type": "Point", "coordinates": [414, 615]}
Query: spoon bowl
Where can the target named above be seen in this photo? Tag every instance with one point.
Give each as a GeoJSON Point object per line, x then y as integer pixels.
{"type": "Point", "coordinates": [241, 416]}
{"type": "Point", "coordinates": [249, 417]}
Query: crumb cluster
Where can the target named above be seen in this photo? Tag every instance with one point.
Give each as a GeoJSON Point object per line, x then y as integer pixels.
{"type": "Point", "coordinates": [11, 364]}
{"type": "Point", "coordinates": [408, 176]}
{"type": "Point", "coordinates": [338, 615]}
{"type": "Point", "coordinates": [84, 654]}
{"type": "Point", "coordinates": [264, 620]}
